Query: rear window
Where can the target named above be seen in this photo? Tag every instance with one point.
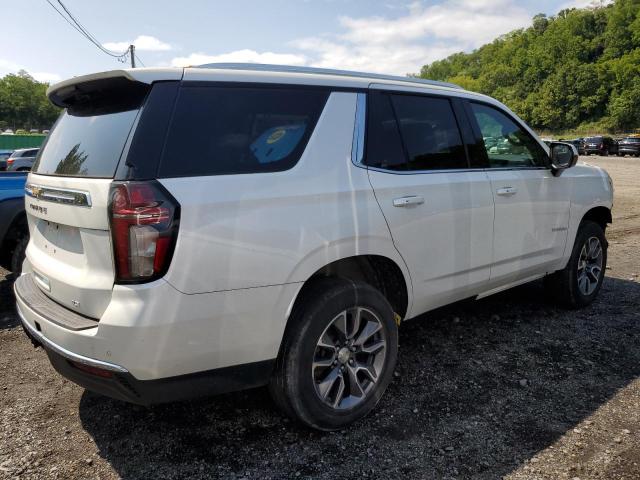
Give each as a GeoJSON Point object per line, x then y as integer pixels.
{"type": "Point", "coordinates": [219, 130]}
{"type": "Point", "coordinates": [88, 138]}
{"type": "Point", "coordinates": [85, 146]}
{"type": "Point", "coordinates": [631, 140]}
{"type": "Point", "coordinates": [593, 139]}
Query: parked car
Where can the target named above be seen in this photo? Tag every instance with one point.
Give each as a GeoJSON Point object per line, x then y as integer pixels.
{"type": "Point", "coordinates": [578, 143]}
{"type": "Point", "coordinates": [603, 146]}
{"type": "Point", "coordinates": [208, 229]}
{"type": "Point", "coordinates": [4, 154]}
{"type": "Point", "coordinates": [629, 146]}
{"type": "Point", "coordinates": [22, 159]}
{"type": "Point", "coordinates": [14, 232]}
{"type": "Point", "coordinates": [8, 131]}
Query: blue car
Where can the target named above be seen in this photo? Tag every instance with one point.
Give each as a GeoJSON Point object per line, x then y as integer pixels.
{"type": "Point", "coordinates": [14, 233]}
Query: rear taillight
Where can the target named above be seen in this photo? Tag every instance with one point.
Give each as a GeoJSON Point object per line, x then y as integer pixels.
{"type": "Point", "coordinates": [144, 227]}
{"type": "Point", "coordinates": [10, 161]}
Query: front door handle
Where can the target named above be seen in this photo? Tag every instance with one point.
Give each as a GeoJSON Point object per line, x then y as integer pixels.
{"type": "Point", "coordinates": [507, 191]}
{"type": "Point", "coordinates": [410, 200]}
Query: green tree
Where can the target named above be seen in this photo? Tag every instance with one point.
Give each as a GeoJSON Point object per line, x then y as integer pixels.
{"type": "Point", "coordinates": [579, 67]}
{"type": "Point", "coordinates": [24, 104]}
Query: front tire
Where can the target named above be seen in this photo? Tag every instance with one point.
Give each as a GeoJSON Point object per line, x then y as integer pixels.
{"type": "Point", "coordinates": [578, 284]}
{"type": "Point", "coordinates": [338, 354]}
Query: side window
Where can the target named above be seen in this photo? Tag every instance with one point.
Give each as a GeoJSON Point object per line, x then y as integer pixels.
{"type": "Point", "coordinates": [506, 143]}
{"type": "Point", "coordinates": [219, 130]}
{"type": "Point", "coordinates": [384, 147]}
{"type": "Point", "coordinates": [430, 133]}
{"type": "Point", "coordinates": [412, 133]}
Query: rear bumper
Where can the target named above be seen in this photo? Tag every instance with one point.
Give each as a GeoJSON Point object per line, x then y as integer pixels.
{"type": "Point", "coordinates": [116, 382]}
{"type": "Point", "coordinates": [163, 345]}
{"type": "Point", "coordinates": [593, 150]}
{"type": "Point", "coordinates": [629, 150]}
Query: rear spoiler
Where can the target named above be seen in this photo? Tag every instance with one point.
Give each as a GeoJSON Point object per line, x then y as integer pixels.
{"type": "Point", "coordinates": [112, 90]}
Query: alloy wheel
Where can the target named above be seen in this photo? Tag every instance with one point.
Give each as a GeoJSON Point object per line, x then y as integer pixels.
{"type": "Point", "coordinates": [349, 358]}
{"type": "Point", "coordinates": [590, 266]}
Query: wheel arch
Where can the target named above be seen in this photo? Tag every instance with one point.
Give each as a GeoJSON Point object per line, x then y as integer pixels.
{"type": "Point", "coordinates": [379, 271]}
{"type": "Point", "coordinates": [600, 215]}
{"type": "Point", "coordinates": [15, 223]}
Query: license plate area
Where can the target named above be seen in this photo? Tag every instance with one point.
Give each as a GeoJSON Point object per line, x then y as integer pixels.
{"type": "Point", "coordinates": [59, 240]}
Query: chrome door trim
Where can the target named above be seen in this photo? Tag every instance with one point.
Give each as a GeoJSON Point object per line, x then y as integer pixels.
{"type": "Point", "coordinates": [66, 196]}
{"type": "Point", "coordinates": [452, 170]}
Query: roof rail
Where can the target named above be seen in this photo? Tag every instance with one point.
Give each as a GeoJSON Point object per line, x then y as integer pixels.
{"type": "Point", "coordinates": [264, 67]}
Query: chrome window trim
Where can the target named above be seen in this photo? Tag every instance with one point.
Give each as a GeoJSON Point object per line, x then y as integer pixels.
{"type": "Point", "coordinates": [75, 357]}
{"type": "Point", "coordinates": [66, 196]}
{"type": "Point", "coordinates": [451, 170]}
{"type": "Point", "coordinates": [357, 145]}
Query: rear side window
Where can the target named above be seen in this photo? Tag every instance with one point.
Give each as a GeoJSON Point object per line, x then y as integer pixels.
{"type": "Point", "coordinates": [218, 130]}
{"type": "Point", "coordinates": [384, 146]}
{"type": "Point", "coordinates": [430, 133]}
{"type": "Point", "coordinates": [413, 133]}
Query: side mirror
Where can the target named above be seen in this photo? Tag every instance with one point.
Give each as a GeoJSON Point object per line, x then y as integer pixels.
{"type": "Point", "coordinates": [563, 156]}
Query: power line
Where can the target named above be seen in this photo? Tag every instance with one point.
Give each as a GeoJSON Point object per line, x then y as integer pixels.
{"type": "Point", "coordinates": [64, 18]}
{"type": "Point", "coordinates": [75, 23]}
{"type": "Point", "coordinates": [136, 55]}
{"type": "Point", "coordinates": [88, 35]}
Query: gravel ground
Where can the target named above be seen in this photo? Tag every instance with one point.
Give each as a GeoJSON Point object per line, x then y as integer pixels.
{"type": "Point", "coordinates": [510, 386]}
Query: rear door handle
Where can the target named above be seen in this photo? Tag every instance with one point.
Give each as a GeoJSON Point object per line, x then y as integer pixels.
{"type": "Point", "coordinates": [507, 191]}
{"type": "Point", "coordinates": [410, 200]}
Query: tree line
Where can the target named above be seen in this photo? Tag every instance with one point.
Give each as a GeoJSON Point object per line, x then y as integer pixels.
{"type": "Point", "coordinates": [24, 104]}
{"type": "Point", "coordinates": [578, 70]}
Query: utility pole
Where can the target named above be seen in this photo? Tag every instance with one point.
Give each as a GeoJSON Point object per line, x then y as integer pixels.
{"type": "Point", "coordinates": [132, 52]}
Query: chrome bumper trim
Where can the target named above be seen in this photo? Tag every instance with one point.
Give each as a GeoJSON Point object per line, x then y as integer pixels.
{"type": "Point", "coordinates": [91, 362]}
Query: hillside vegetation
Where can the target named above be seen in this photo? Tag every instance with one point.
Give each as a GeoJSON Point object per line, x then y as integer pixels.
{"type": "Point", "coordinates": [579, 70]}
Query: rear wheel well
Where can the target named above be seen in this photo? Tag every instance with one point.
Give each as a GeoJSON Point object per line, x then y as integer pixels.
{"type": "Point", "coordinates": [599, 215]}
{"type": "Point", "coordinates": [380, 272]}
{"type": "Point", "coordinates": [17, 229]}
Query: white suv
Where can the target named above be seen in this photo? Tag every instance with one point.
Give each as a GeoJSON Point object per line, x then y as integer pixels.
{"type": "Point", "coordinates": [202, 230]}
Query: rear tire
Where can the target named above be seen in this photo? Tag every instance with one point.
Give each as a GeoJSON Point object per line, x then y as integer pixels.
{"type": "Point", "coordinates": [578, 284]}
{"type": "Point", "coordinates": [338, 354]}
{"type": "Point", "coordinates": [18, 255]}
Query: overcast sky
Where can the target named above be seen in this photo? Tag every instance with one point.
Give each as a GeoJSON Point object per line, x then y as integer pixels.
{"type": "Point", "coordinates": [390, 36]}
